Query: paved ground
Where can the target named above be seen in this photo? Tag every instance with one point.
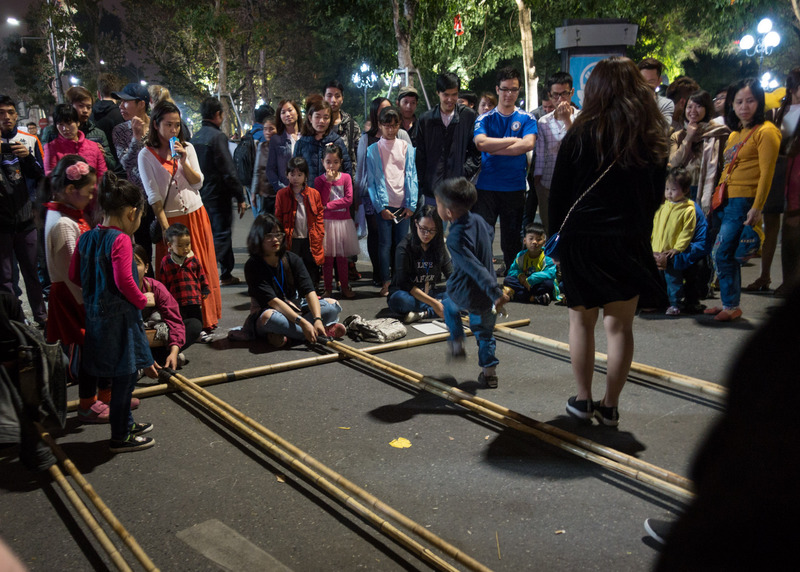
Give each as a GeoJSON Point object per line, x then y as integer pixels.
{"type": "Point", "coordinates": [205, 499]}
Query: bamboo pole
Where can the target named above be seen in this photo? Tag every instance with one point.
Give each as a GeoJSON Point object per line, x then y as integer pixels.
{"type": "Point", "coordinates": [101, 506]}
{"type": "Point", "coordinates": [310, 468]}
{"type": "Point", "coordinates": [583, 442]}
{"type": "Point", "coordinates": [654, 372]}
{"type": "Point", "coordinates": [214, 379]}
{"type": "Point", "coordinates": [89, 519]}
{"type": "Point", "coordinates": [432, 386]}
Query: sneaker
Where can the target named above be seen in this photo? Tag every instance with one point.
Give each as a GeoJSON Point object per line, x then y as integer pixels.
{"type": "Point", "coordinates": [673, 311]}
{"type": "Point", "coordinates": [456, 350]}
{"type": "Point", "coordinates": [130, 444]}
{"type": "Point", "coordinates": [658, 529]}
{"type": "Point", "coordinates": [229, 281]}
{"type": "Point", "coordinates": [412, 317]}
{"type": "Point", "coordinates": [183, 360]}
{"type": "Point", "coordinates": [204, 337]}
{"type": "Point", "coordinates": [140, 428]}
{"type": "Point", "coordinates": [543, 299]}
{"type": "Point", "coordinates": [276, 340]}
{"type": "Point", "coordinates": [608, 416]}
{"type": "Point", "coordinates": [728, 315]}
{"type": "Point", "coordinates": [97, 413]}
{"type": "Point", "coordinates": [582, 409]}
{"type": "Point", "coordinates": [335, 331]}
{"type": "Point", "coordinates": [489, 380]}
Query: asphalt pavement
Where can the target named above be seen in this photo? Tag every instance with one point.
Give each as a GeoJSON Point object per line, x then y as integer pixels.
{"type": "Point", "coordinates": [205, 498]}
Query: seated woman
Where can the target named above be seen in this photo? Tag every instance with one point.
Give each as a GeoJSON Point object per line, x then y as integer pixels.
{"type": "Point", "coordinates": [420, 261]}
{"type": "Point", "coordinates": [181, 333]}
{"type": "Point", "coordinates": [283, 301]}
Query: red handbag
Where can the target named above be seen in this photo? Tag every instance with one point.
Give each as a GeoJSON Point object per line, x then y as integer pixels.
{"type": "Point", "coordinates": [721, 190]}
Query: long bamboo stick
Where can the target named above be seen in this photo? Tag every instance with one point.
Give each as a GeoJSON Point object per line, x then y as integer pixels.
{"type": "Point", "coordinates": [101, 506]}
{"type": "Point", "coordinates": [654, 372]}
{"type": "Point", "coordinates": [583, 442]}
{"type": "Point", "coordinates": [308, 467]}
{"type": "Point", "coordinates": [213, 379]}
{"type": "Point", "coordinates": [431, 386]}
{"type": "Point", "coordinates": [89, 519]}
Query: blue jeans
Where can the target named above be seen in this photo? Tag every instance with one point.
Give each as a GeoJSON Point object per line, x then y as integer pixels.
{"type": "Point", "coordinates": [482, 326]}
{"type": "Point", "coordinates": [280, 324]}
{"type": "Point", "coordinates": [402, 302]}
{"type": "Point", "coordinates": [120, 417]}
{"type": "Point", "coordinates": [730, 222]}
{"type": "Point", "coordinates": [389, 231]}
{"type": "Point", "coordinates": [674, 280]}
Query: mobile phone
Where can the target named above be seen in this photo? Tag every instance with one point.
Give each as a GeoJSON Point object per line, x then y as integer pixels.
{"type": "Point", "coordinates": [6, 148]}
{"type": "Point", "coordinates": [399, 215]}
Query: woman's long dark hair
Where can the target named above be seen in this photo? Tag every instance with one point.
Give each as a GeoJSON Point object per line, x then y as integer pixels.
{"type": "Point", "coordinates": [262, 226]}
{"type": "Point", "coordinates": [279, 126]}
{"type": "Point", "coordinates": [621, 115]}
{"type": "Point", "coordinates": [160, 109]}
{"type": "Point", "coordinates": [731, 119]}
{"type": "Point", "coordinates": [792, 82]}
{"type": "Point", "coordinates": [703, 99]}
{"type": "Point", "coordinates": [373, 115]}
{"type": "Point", "coordinates": [435, 246]}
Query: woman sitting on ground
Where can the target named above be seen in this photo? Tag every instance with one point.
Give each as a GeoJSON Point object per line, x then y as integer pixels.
{"type": "Point", "coordinates": [283, 301]}
{"type": "Point", "coordinates": [421, 261]}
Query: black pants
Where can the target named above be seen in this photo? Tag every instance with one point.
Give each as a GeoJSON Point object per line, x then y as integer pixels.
{"type": "Point", "coordinates": [301, 247]}
{"type": "Point", "coordinates": [509, 206]}
{"type": "Point", "coordinates": [220, 215]}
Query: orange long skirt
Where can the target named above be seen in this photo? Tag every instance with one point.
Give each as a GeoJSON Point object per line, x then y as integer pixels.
{"type": "Point", "coordinates": [203, 248]}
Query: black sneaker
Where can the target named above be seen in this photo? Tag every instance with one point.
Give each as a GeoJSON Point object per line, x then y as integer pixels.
{"type": "Point", "coordinates": [131, 443]}
{"type": "Point", "coordinates": [582, 409]}
{"type": "Point", "coordinates": [608, 416]}
{"type": "Point", "coordinates": [140, 428]}
{"type": "Point", "coordinates": [658, 529]}
{"type": "Point", "coordinates": [489, 380]}
{"type": "Point", "coordinates": [543, 299]}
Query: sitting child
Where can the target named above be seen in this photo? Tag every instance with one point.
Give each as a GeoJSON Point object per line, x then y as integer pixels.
{"type": "Point", "coordinates": [182, 274]}
{"type": "Point", "coordinates": [532, 276]}
{"type": "Point", "coordinates": [673, 229]}
{"type": "Point", "coordinates": [473, 284]}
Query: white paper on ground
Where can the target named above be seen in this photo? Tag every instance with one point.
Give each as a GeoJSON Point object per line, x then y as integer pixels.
{"type": "Point", "coordinates": [429, 329]}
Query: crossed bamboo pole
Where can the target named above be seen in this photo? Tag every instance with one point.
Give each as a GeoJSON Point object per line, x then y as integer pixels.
{"type": "Point", "coordinates": [611, 459]}
{"type": "Point", "coordinates": [327, 479]}
{"type": "Point", "coordinates": [214, 379]}
{"type": "Point", "coordinates": [654, 372]}
{"type": "Point", "coordinates": [84, 512]}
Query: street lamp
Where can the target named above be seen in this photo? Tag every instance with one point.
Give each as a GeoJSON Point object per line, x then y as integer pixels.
{"type": "Point", "coordinates": [763, 44]}
{"type": "Point", "coordinates": [74, 80]}
{"type": "Point", "coordinates": [13, 21]}
{"type": "Point", "coordinates": [365, 82]}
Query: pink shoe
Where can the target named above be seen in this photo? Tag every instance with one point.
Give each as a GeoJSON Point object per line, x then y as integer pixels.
{"type": "Point", "coordinates": [728, 315]}
{"type": "Point", "coordinates": [335, 331]}
{"type": "Point", "coordinates": [134, 403]}
{"type": "Point", "coordinates": [97, 413]}
{"type": "Point", "coordinates": [712, 311]}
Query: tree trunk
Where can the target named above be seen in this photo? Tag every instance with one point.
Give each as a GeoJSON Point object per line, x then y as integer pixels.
{"type": "Point", "coordinates": [262, 75]}
{"type": "Point", "coordinates": [529, 69]}
{"type": "Point", "coordinates": [403, 34]}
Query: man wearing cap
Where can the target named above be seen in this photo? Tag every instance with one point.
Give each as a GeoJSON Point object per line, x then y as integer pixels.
{"type": "Point", "coordinates": [407, 99]}
{"type": "Point", "coordinates": [128, 138]}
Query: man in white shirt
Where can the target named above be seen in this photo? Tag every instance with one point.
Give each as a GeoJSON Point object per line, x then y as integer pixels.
{"type": "Point", "coordinates": [652, 70]}
{"type": "Point", "coordinates": [552, 129]}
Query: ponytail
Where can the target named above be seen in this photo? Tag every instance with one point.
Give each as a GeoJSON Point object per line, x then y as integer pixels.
{"type": "Point", "coordinates": [115, 195]}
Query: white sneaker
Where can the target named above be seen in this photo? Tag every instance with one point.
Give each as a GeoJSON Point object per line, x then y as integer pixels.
{"type": "Point", "coordinates": [412, 317]}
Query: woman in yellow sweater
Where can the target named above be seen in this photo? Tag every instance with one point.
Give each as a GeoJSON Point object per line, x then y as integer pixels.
{"type": "Point", "coordinates": [754, 145]}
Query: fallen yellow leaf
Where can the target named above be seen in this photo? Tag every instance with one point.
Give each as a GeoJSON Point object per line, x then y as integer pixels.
{"type": "Point", "coordinates": [401, 443]}
{"type": "Point", "coordinates": [345, 428]}
{"type": "Point", "coordinates": [281, 478]}
{"type": "Point", "coordinates": [561, 531]}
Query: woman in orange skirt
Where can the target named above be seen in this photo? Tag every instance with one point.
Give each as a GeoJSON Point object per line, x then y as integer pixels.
{"type": "Point", "coordinates": [172, 179]}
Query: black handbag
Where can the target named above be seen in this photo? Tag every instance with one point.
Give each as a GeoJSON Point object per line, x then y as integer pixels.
{"type": "Point", "coordinates": [551, 246]}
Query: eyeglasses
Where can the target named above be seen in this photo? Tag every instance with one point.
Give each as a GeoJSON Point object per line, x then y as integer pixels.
{"type": "Point", "coordinates": [426, 231]}
{"type": "Point", "coordinates": [274, 236]}
{"type": "Point", "coordinates": [562, 94]}
{"type": "Point", "coordinates": [508, 89]}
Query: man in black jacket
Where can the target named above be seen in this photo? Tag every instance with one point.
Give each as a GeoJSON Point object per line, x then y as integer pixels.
{"type": "Point", "coordinates": [106, 114]}
{"type": "Point", "coordinates": [444, 140]}
{"type": "Point", "coordinates": [220, 185]}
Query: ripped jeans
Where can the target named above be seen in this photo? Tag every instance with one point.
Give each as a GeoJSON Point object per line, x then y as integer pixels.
{"type": "Point", "coordinates": [280, 324]}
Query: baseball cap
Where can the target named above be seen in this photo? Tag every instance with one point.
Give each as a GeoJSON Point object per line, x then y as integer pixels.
{"type": "Point", "coordinates": [133, 91]}
{"type": "Point", "coordinates": [407, 90]}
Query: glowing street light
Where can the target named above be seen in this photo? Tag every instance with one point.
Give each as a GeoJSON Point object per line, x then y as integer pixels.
{"type": "Point", "coordinates": [74, 80]}
{"type": "Point", "coordinates": [13, 21]}
{"type": "Point", "coordinates": [767, 40]}
{"type": "Point", "coordinates": [365, 82]}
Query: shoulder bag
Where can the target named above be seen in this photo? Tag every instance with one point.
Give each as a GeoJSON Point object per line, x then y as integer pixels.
{"type": "Point", "coordinates": [721, 190]}
{"type": "Point", "coordinates": [551, 246]}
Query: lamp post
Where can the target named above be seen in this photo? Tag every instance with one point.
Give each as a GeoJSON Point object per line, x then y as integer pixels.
{"type": "Point", "coordinates": [365, 82]}
{"type": "Point", "coordinates": [762, 44]}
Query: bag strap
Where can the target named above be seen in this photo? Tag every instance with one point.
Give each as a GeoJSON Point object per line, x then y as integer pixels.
{"type": "Point", "coordinates": [736, 154]}
{"type": "Point", "coordinates": [603, 174]}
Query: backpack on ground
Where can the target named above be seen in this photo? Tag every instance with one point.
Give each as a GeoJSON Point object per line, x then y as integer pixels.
{"type": "Point", "coordinates": [381, 330]}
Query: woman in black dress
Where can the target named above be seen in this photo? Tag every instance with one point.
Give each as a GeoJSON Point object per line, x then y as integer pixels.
{"type": "Point", "coordinates": [606, 259]}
